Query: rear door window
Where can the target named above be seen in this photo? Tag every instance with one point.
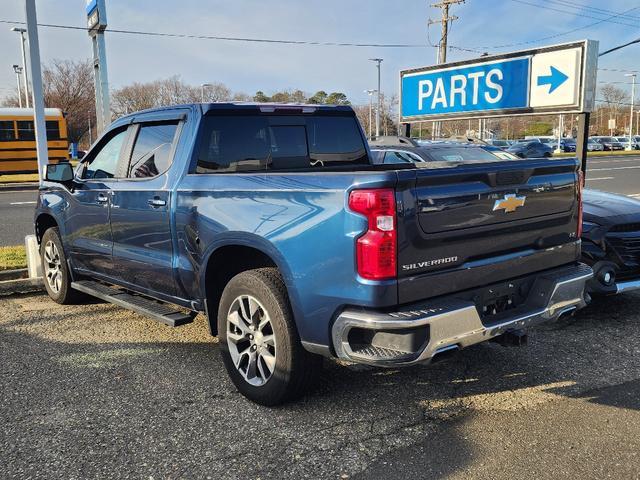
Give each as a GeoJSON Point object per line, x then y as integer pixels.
{"type": "Point", "coordinates": [236, 143]}
{"type": "Point", "coordinates": [151, 154]}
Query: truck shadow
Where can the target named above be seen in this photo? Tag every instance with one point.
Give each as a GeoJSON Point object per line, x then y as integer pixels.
{"type": "Point", "coordinates": [160, 398]}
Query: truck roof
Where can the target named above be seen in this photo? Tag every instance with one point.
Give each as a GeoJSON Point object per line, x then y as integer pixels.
{"type": "Point", "coordinates": [248, 106]}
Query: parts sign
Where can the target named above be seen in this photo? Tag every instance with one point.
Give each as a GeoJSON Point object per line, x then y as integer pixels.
{"type": "Point", "coordinates": [557, 79]}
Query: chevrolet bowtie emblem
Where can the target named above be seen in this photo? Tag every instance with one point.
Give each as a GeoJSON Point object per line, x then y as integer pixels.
{"type": "Point", "coordinates": [509, 203]}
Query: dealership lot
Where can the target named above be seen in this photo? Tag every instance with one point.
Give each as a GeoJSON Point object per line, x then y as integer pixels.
{"type": "Point", "coordinates": [97, 391]}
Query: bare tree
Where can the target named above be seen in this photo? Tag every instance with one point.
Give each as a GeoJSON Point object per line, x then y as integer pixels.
{"type": "Point", "coordinates": [68, 85]}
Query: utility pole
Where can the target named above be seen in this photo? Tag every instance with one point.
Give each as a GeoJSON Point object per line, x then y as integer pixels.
{"type": "Point", "coordinates": [442, 45]}
{"type": "Point", "coordinates": [25, 77]}
{"type": "Point", "coordinates": [18, 70]}
{"type": "Point", "coordinates": [378, 61]}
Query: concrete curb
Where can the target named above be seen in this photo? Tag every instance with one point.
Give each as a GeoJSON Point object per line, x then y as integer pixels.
{"type": "Point", "coordinates": [23, 285]}
{"type": "Point", "coordinates": [13, 274]}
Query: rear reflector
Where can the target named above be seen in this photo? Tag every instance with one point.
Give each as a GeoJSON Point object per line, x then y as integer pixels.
{"type": "Point", "coordinates": [376, 248]}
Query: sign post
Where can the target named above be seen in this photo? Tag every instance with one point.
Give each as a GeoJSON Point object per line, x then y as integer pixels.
{"type": "Point", "coordinates": [558, 79]}
{"type": "Point", "coordinates": [97, 24]}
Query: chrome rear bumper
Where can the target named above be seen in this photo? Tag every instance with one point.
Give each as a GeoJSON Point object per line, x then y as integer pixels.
{"type": "Point", "coordinates": [453, 323]}
{"type": "Point", "coordinates": [627, 286]}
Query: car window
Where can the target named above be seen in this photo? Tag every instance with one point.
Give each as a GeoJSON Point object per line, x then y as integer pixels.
{"type": "Point", "coordinates": [234, 143]}
{"type": "Point", "coordinates": [103, 164]}
{"type": "Point", "coordinates": [152, 150]}
{"type": "Point", "coordinates": [396, 157]}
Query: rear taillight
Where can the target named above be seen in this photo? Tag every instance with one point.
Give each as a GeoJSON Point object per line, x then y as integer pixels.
{"type": "Point", "coordinates": [376, 248]}
{"type": "Point", "coordinates": [580, 187]}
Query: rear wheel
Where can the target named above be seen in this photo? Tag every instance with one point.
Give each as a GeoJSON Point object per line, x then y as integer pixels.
{"type": "Point", "coordinates": [259, 343]}
{"type": "Point", "coordinates": [55, 270]}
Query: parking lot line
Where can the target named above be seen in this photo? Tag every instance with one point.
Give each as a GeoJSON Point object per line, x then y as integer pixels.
{"type": "Point", "coordinates": [599, 178]}
{"type": "Point", "coordinates": [23, 203]}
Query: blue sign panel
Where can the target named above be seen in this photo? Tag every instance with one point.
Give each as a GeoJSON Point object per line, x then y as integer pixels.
{"type": "Point", "coordinates": [91, 4]}
{"type": "Point", "coordinates": [497, 85]}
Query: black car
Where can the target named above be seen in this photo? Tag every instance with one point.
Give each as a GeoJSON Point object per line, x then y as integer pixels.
{"type": "Point", "coordinates": [531, 149]}
{"type": "Point", "coordinates": [609, 143]}
{"type": "Point", "coordinates": [611, 241]}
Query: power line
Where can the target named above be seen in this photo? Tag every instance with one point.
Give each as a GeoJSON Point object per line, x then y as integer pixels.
{"type": "Point", "coordinates": [231, 39]}
{"type": "Point", "coordinates": [576, 14]}
{"type": "Point", "coordinates": [637, 40]}
{"type": "Point", "coordinates": [586, 8]}
{"type": "Point", "coordinates": [529, 42]}
{"type": "Point", "coordinates": [617, 70]}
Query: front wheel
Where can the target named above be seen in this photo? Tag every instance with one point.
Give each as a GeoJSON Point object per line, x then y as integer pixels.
{"type": "Point", "coordinates": [55, 270]}
{"type": "Point", "coordinates": [259, 343]}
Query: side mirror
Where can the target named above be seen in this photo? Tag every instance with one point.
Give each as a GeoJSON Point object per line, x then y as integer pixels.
{"type": "Point", "coordinates": [59, 173]}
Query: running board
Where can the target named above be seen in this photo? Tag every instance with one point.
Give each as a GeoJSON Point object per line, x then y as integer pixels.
{"type": "Point", "coordinates": [166, 313]}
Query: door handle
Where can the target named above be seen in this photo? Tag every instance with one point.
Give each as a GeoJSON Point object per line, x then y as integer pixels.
{"type": "Point", "coordinates": [156, 202]}
{"type": "Point", "coordinates": [102, 198]}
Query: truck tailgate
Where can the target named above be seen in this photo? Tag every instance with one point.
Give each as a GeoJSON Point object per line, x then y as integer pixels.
{"type": "Point", "coordinates": [462, 224]}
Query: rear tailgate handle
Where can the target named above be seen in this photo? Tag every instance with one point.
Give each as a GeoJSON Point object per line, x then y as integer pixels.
{"type": "Point", "coordinates": [156, 202]}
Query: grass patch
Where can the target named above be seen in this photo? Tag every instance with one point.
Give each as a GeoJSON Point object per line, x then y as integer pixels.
{"type": "Point", "coordinates": [12, 258]}
{"type": "Point", "coordinates": [21, 178]}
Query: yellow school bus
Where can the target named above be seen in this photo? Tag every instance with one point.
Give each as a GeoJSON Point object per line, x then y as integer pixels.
{"type": "Point", "coordinates": [18, 139]}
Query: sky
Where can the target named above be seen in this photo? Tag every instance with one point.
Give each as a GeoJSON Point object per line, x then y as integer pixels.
{"type": "Point", "coordinates": [482, 26]}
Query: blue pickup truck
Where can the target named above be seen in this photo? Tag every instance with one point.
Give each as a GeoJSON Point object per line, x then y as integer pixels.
{"type": "Point", "coordinates": [273, 221]}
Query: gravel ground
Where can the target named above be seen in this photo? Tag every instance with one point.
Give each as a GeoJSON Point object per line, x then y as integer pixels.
{"type": "Point", "coordinates": [95, 391]}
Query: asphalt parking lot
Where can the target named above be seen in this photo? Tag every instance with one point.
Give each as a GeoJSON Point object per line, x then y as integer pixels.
{"type": "Point", "coordinates": [96, 391]}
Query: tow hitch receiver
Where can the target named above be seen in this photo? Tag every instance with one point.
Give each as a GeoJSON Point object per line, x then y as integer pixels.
{"type": "Point", "coordinates": [512, 338]}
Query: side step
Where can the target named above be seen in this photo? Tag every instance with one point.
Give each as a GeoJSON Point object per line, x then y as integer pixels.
{"type": "Point", "coordinates": [166, 313]}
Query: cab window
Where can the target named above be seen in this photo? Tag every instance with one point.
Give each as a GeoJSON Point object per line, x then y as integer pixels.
{"type": "Point", "coordinates": [104, 163]}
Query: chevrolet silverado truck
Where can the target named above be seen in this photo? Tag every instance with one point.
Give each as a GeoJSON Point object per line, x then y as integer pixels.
{"type": "Point", "coordinates": [273, 221]}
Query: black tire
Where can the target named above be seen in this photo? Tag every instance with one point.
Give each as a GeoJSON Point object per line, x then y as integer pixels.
{"type": "Point", "coordinates": [64, 294]}
{"type": "Point", "coordinates": [295, 368]}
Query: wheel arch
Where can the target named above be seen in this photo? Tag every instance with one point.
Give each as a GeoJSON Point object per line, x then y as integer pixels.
{"type": "Point", "coordinates": [44, 221]}
{"type": "Point", "coordinates": [233, 256]}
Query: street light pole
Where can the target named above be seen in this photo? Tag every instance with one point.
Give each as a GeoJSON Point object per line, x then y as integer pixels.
{"type": "Point", "coordinates": [202, 87]}
{"type": "Point", "coordinates": [25, 77]}
{"type": "Point", "coordinates": [633, 94]}
{"type": "Point", "coordinates": [18, 70]}
{"type": "Point", "coordinates": [36, 79]}
{"type": "Point", "coordinates": [378, 61]}
{"type": "Point", "coordinates": [370, 92]}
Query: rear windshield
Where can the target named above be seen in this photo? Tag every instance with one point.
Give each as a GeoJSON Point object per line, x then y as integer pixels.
{"type": "Point", "coordinates": [245, 143]}
{"type": "Point", "coordinates": [460, 154]}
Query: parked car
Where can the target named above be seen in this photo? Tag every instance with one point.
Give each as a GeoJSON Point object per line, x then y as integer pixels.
{"type": "Point", "coordinates": [438, 152]}
{"type": "Point", "coordinates": [624, 141]}
{"type": "Point", "coordinates": [567, 144]}
{"type": "Point", "coordinates": [503, 144]}
{"type": "Point", "coordinates": [594, 146]}
{"type": "Point", "coordinates": [609, 143]}
{"type": "Point", "coordinates": [273, 222]}
{"type": "Point", "coordinates": [611, 241]}
{"type": "Point", "coordinates": [531, 149]}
